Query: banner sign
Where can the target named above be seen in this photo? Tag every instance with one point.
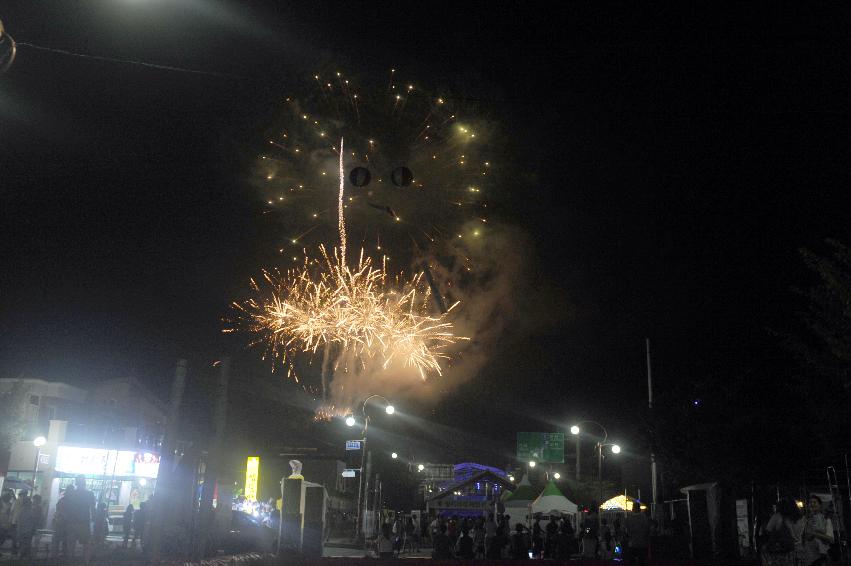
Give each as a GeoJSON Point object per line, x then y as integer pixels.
{"type": "Point", "coordinates": [353, 445]}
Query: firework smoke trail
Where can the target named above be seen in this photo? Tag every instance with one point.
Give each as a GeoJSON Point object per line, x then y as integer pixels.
{"type": "Point", "coordinates": [341, 221]}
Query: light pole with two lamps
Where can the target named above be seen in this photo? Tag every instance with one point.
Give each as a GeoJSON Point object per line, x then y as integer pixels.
{"type": "Point", "coordinates": [616, 449]}
{"type": "Point", "coordinates": [351, 421]}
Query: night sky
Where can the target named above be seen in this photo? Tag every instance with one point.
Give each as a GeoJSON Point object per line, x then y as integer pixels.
{"type": "Point", "coordinates": [668, 166]}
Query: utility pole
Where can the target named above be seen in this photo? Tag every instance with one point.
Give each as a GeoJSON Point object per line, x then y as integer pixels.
{"type": "Point", "coordinates": [652, 431]}
{"type": "Point", "coordinates": [214, 455]}
{"type": "Point", "coordinates": [578, 460]}
{"type": "Point", "coordinates": [163, 501]}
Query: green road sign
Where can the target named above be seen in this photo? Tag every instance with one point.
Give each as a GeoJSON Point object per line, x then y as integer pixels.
{"type": "Point", "coordinates": [543, 447]}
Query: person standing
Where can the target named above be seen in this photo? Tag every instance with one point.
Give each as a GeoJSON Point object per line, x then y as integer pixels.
{"type": "Point", "coordinates": [782, 535]}
{"type": "Point", "coordinates": [26, 526]}
{"type": "Point", "coordinates": [17, 505]}
{"type": "Point", "coordinates": [519, 543]}
{"type": "Point", "coordinates": [101, 525]}
{"type": "Point", "coordinates": [818, 534]}
{"type": "Point", "coordinates": [638, 530]}
{"type": "Point", "coordinates": [79, 510]}
{"type": "Point", "coordinates": [127, 523]}
{"type": "Point", "coordinates": [490, 536]}
{"type": "Point", "coordinates": [441, 545]}
{"type": "Point", "coordinates": [139, 520]}
{"type": "Point", "coordinates": [6, 517]}
{"type": "Point", "coordinates": [464, 546]}
{"type": "Point", "coordinates": [59, 543]}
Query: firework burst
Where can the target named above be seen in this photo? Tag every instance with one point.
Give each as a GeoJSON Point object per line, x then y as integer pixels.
{"type": "Point", "coordinates": [356, 311]}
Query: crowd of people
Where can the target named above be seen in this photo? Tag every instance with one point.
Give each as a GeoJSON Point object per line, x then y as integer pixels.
{"type": "Point", "coordinates": [77, 520]}
{"type": "Point", "coordinates": [20, 519]}
{"type": "Point", "coordinates": [495, 537]}
{"type": "Point", "coordinates": [793, 538]}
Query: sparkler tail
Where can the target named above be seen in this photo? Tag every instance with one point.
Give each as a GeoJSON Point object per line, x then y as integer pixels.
{"type": "Point", "coordinates": [360, 312]}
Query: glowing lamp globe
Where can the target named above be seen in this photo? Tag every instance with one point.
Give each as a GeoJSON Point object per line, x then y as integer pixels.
{"type": "Point", "coordinates": [557, 476]}
{"type": "Point", "coordinates": [389, 409]}
{"type": "Point", "coordinates": [532, 464]}
{"type": "Point", "coordinates": [574, 430]}
{"type": "Point", "coordinates": [143, 482]}
{"type": "Point", "coordinates": [510, 478]}
{"type": "Point", "coordinates": [616, 449]}
{"type": "Point", "coordinates": [39, 441]}
{"type": "Point", "coordinates": [350, 420]}
{"type": "Point", "coordinates": [394, 455]}
{"type": "Point", "coordinates": [421, 467]}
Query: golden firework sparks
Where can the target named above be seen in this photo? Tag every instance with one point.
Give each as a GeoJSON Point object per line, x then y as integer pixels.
{"type": "Point", "coordinates": [357, 310]}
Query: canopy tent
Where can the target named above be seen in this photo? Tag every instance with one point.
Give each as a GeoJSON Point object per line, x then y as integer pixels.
{"type": "Point", "coordinates": [552, 501]}
{"type": "Point", "coordinates": [621, 503]}
{"type": "Point", "coordinates": [517, 503]}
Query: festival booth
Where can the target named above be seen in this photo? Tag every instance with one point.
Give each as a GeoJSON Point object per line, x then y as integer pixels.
{"type": "Point", "coordinates": [552, 503]}
{"type": "Point", "coordinates": [517, 502]}
{"type": "Point", "coordinates": [618, 506]}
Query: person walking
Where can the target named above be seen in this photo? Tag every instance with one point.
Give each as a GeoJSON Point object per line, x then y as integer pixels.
{"type": "Point", "coordinates": [818, 534]}
{"type": "Point", "coordinates": [127, 523]}
{"type": "Point", "coordinates": [551, 540]}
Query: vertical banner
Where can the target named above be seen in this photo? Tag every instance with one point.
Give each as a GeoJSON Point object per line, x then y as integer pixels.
{"type": "Point", "coordinates": [252, 475]}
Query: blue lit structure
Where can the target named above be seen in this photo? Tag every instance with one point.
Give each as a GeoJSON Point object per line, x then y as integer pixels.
{"type": "Point", "coordinates": [475, 491]}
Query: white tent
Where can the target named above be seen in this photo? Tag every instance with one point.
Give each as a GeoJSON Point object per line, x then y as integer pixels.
{"type": "Point", "coordinates": [517, 503]}
{"type": "Point", "coordinates": [552, 501]}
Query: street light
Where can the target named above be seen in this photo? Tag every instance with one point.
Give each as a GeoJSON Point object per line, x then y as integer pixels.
{"type": "Point", "coordinates": [394, 455]}
{"type": "Point", "coordinates": [420, 467]}
{"type": "Point", "coordinates": [531, 463]}
{"type": "Point", "coordinates": [511, 478]}
{"type": "Point", "coordinates": [557, 476]}
{"type": "Point", "coordinates": [575, 430]}
{"type": "Point", "coordinates": [350, 421]}
{"type": "Point", "coordinates": [616, 449]}
{"type": "Point", "coordinates": [38, 442]}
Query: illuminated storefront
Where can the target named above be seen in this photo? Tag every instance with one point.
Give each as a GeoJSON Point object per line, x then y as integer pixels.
{"type": "Point", "coordinates": [116, 477]}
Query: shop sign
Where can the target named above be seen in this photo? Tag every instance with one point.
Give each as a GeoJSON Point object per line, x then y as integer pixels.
{"type": "Point", "coordinates": [252, 475]}
{"type": "Point", "coordinates": [103, 462]}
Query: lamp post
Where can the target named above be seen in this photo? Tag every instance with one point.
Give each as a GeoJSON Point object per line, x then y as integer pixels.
{"type": "Point", "coordinates": [575, 430]}
{"type": "Point", "coordinates": [38, 442]}
{"type": "Point", "coordinates": [350, 421]}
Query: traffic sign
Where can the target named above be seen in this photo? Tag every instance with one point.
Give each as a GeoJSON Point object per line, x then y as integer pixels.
{"type": "Point", "coordinates": [543, 447]}
{"type": "Point", "coordinates": [353, 444]}
{"type": "Point", "coordinates": [350, 472]}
